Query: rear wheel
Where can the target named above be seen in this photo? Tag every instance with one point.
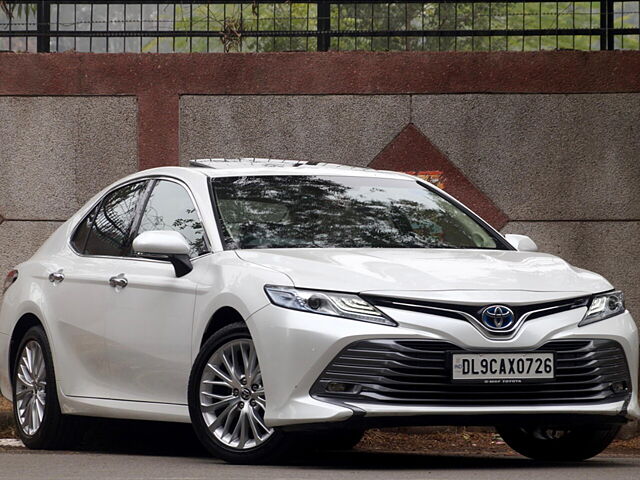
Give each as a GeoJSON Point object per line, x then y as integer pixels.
{"type": "Point", "coordinates": [559, 444]}
{"type": "Point", "coordinates": [39, 421]}
{"type": "Point", "coordinates": [227, 401]}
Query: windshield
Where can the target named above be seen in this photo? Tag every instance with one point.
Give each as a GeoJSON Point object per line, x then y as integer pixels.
{"type": "Point", "coordinates": [341, 212]}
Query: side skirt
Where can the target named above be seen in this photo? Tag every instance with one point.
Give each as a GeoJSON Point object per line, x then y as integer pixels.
{"type": "Point", "coordinates": [109, 408]}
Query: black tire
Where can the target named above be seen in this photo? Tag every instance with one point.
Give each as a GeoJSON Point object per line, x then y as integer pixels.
{"type": "Point", "coordinates": [559, 444]}
{"type": "Point", "coordinates": [56, 431]}
{"type": "Point", "coordinates": [338, 439]}
{"type": "Point", "coordinates": [273, 449]}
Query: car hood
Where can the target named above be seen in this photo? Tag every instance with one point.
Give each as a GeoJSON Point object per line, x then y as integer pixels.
{"type": "Point", "coordinates": [438, 274]}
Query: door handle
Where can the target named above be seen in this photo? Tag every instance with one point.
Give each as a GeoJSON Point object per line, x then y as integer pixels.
{"type": "Point", "coordinates": [119, 281]}
{"type": "Point", "coordinates": [56, 277]}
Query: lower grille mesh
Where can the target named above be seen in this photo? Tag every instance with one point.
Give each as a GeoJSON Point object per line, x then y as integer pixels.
{"type": "Point", "coordinates": [417, 372]}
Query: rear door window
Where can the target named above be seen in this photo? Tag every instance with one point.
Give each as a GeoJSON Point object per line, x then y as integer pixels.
{"type": "Point", "coordinates": [79, 237]}
{"type": "Point", "coordinates": [110, 229]}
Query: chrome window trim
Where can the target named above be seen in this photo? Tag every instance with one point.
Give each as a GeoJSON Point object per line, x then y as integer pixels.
{"type": "Point", "coordinates": [124, 184]}
{"type": "Point", "coordinates": [139, 259]}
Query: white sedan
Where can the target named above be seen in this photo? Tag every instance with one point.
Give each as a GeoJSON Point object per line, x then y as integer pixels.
{"type": "Point", "coordinates": [266, 300]}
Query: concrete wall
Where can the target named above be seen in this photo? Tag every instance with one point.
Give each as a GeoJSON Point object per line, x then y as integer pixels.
{"type": "Point", "coordinates": [55, 153]}
{"type": "Point", "coordinates": [350, 129]}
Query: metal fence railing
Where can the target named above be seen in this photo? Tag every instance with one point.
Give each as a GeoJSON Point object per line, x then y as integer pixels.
{"type": "Point", "coordinates": [299, 25]}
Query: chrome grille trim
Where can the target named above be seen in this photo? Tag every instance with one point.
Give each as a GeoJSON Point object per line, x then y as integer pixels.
{"type": "Point", "coordinates": [471, 313]}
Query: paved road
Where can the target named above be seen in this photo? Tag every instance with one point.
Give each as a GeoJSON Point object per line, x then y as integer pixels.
{"type": "Point", "coordinates": [352, 466]}
{"type": "Point", "coordinates": [118, 450]}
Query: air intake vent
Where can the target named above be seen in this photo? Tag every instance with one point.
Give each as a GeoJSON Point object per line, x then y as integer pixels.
{"type": "Point", "coordinates": [417, 372]}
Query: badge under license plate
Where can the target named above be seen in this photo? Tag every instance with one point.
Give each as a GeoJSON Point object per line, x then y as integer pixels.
{"type": "Point", "coordinates": [502, 367]}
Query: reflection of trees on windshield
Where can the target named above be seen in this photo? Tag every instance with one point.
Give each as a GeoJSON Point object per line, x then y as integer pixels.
{"type": "Point", "coordinates": [347, 212]}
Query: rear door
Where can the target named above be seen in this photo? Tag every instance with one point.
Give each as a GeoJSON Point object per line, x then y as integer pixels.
{"type": "Point", "coordinates": [78, 292]}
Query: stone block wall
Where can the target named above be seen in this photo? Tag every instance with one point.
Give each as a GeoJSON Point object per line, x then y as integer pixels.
{"type": "Point", "coordinates": [56, 152]}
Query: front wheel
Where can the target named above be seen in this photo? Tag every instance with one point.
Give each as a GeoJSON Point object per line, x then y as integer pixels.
{"type": "Point", "coordinates": [559, 444]}
{"type": "Point", "coordinates": [227, 401]}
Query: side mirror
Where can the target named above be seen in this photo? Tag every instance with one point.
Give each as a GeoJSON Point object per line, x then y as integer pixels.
{"type": "Point", "coordinates": [522, 243]}
{"type": "Point", "coordinates": [165, 244]}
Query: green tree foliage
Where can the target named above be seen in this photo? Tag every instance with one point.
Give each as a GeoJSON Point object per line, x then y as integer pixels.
{"type": "Point", "coordinates": [231, 20]}
{"type": "Point", "coordinates": [233, 25]}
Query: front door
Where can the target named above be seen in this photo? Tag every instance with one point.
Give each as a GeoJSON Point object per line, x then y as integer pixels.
{"type": "Point", "coordinates": [148, 331]}
{"type": "Point", "coordinates": [148, 326]}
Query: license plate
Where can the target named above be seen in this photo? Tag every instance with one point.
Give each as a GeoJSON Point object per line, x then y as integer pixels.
{"type": "Point", "coordinates": [502, 367]}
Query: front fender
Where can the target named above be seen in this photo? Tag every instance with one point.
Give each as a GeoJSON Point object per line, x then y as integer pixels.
{"type": "Point", "coordinates": [227, 281]}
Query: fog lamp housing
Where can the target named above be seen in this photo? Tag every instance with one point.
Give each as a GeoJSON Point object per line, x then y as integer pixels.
{"type": "Point", "coordinates": [342, 387]}
{"type": "Point", "coordinates": [619, 387]}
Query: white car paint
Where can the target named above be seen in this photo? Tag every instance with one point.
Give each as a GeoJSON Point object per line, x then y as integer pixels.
{"type": "Point", "coordinates": [127, 353]}
{"type": "Point", "coordinates": [399, 270]}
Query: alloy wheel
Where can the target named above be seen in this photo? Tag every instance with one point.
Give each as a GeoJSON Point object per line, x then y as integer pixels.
{"type": "Point", "coordinates": [31, 385]}
{"type": "Point", "coordinates": [232, 400]}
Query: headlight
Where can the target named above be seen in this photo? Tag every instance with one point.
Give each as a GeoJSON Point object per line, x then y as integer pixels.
{"type": "Point", "coordinates": [604, 305]}
{"type": "Point", "coordinates": [343, 305]}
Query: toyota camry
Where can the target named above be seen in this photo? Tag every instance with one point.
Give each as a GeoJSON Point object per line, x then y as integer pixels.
{"type": "Point", "coordinates": [270, 302]}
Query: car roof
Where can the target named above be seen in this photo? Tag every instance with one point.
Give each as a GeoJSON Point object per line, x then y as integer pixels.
{"type": "Point", "coordinates": [224, 167]}
{"type": "Point", "coordinates": [238, 163]}
{"type": "Point", "coordinates": [240, 167]}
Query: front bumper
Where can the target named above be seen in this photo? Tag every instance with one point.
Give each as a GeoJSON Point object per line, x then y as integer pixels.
{"type": "Point", "coordinates": [295, 348]}
{"type": "Point", "coordinates": [418, 372]}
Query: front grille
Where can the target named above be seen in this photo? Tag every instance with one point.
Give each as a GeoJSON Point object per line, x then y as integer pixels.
{"type": "Point", "coordinates": [521, 313]}
{"type": "Point", "coordinates": [417, 372]}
